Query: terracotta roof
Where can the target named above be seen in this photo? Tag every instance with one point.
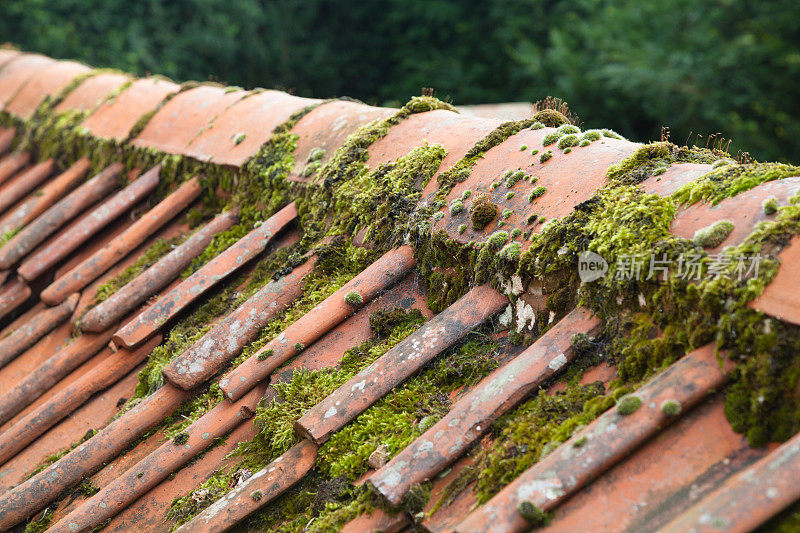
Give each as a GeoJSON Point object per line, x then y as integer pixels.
{"type": "Point", "coordinates": [186, 258]}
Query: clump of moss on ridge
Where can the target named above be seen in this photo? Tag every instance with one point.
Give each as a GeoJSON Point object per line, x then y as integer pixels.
{"type": "Point", "coordinates": [652, 157]}
{"type": "Point", "coordinates": [482, 212]}
{"type": "Point", "coordinates": [729, 180]}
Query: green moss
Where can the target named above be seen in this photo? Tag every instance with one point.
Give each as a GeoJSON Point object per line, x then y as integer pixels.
{"type": "Point", "coordinates": [546, 156]}
{"type": "Point", "coordinates": [585, 142]}
{"type": "Point", "coordinates": [535, 151]}
{"type": "Point", "coordinates": [654, 158]}
{"type": "Point", "coordinates": [510, 252]}
{"type": "Point", "coordinates": [482, 212]}
{"type": "Point", "coordinates": [628, 404]}
{"type": "Point", "coordinates": [787, 521]}
{"type": "Point", "coordinates": [456, 206]}
{"type": "Point", "coordinates": [50, 459]}
{"type": "Point", "coordinates": [520, 436]}
{"type": "Point", "coordinates": [266, 354]}
{"type": "Point", "coordinates": [509, 195]}
{"type": "Point", "coordinates": [592, 135]}
{"type": "Point", "coordinates": [497, 239]}
{"type": "Point", "coordinates": [640, 157]}
{"type": "Point", "coordinates": [532, 514]}
{"type": "Point", "coordinates": [461, 170]}
{"type": "Point", "coordinates": [551, 138]}
{"type": "Point", "coordinates": [671, 407]}
{"type": "Point", "coordinates": [537, 125]}
{"type": "Point", "coordinates": [550, 118]}
{"type": "Point", "coordinates": [523, 147]}
{"type": "Point", "coordinates": [730, 180]}
{"type": "Point", "coordinates": [149, 257]}
{"type": "Point", "coordinates": [41, 524]}
{"type": "Point", "coordinates": [578, 443]}
{"type": "Point", "coordinates": [567, 150]}
{"type": "Point", "coordinates": [770, 206]}
{"type": "Point", "coordinates": [713, 235]}
{"type": "Point", "coordinates": [536, 192]}
{"type": "Point", "coordinates": [353, 298]}
{"type": "Point", "coordinates": [8, 235]}
{"type": "Point", "coordinates": [514, 177]}
{"type": "Point", "coordinates": [462, 228]}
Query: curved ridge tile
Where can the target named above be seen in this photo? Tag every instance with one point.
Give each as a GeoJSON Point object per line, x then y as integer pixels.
{"type": "Point", "coordinates": [89, 94]}
{"type": "Point", "coordinates": [239, 131]}
{"type": "Point", "coordinates": [43, 83]}
{"type": "Point", "coordinates": [675, 177]}
{"type": "Point", "coordinates": [327, 127]}
{"type": "Point", "coordinates": [456, 133]}
{"type": "Point", "coordinates": [184, 117]}
{"type": "Point", "coordinates": [780, 298]}
{"type": "Point", "coordinates": [17, 72]}
{"type": "Point", "coordinates": [7, 54]}
{"type": "Point", "coordinates": [557, 176]}
{"type": "Point", "coordinates": [115, 118]}
{"type": "Point", "coordinates": [745, 210]}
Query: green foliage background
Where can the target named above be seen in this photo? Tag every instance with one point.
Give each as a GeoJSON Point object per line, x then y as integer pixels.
{"type": "Point", "coordinates": [727, 66]}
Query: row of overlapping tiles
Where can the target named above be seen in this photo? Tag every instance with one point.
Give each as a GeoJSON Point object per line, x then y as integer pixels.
{"type": "Point", "coordinates": [48, 380]}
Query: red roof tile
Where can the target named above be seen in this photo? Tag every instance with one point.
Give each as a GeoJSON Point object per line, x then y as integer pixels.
{"type": "Point", "coordinates": [187, 115]}
{"type": "Point", "coordinates": [91, 93]}
{"type": "Point", "coordinates": [16, 72]}
{"type": "Point", "coordinates": [115, 119]}
{"type": "Point", "coordinates": [238, 132]}
{"type": "Point", "coordinates": [327, 126]}
{"type": "Point", "coordinates": [45, 82]}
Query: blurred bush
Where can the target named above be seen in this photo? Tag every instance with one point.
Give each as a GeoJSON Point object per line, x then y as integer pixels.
{"type": "Point", "coordinates": [727, 66]}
